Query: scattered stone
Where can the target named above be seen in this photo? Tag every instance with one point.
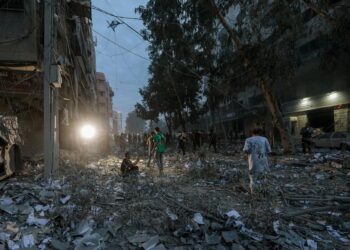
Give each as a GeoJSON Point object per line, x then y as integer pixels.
{"type": "Point", "coordinates": [229, 236]}
{"type": "Point", "coordinates": [59, 245]}
{"type": "Point", "coordinates": [237, 247]}
{"type": "Point", "coordinates": [198, 218]}
{"type": "Point", "coordinates": [216, 226]}
{"type": "Point", "coordinates": [151, 243]}
{"type": "Point", "coordinates": [213, 239]}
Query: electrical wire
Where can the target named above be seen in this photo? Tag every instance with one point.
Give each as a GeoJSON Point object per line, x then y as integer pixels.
{"type": "Point", "coordinates": [174, 59]}
{"type": "Point", "coordinates": [120, 46]}
{"type": "Point", "coordinates": [116, 16]}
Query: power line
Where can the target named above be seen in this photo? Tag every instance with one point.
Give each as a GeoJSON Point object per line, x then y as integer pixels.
{"type": "Point", "coordinates": [145, 39]}
{"type": "Point", "coordinates": [120, 46]}
{"type": "Point", "coordinates": [116, 16]}
{"type": "Point", "coordinates": [119, 19]}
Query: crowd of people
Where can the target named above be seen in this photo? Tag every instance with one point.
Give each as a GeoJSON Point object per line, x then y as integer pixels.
{"type": "Point", "coordinates": [155, 143]}
{"type": "Point", "coordinates": [257, 149]}
{"type": "Point", "coordinates": [184, 141]}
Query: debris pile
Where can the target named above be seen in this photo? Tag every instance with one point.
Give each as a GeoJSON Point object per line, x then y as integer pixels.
{"type": "Point", "coordinates": [305, 204]}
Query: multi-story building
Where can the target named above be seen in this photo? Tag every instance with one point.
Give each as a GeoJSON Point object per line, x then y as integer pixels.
{"type": "Point", "coordinates": [22, 65]}
{"type": "Point", "coordinates": [104, 96]}
{"type": "Point", "coordinates": [117, 122]}
{"type": "Point", "coordinates": [104, 110]}
{"type": "Point", "coordinates": [315, 95]}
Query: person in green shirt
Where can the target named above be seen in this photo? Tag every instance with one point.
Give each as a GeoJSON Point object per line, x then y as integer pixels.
{"type": "Point", "coordinates": [159, 141]}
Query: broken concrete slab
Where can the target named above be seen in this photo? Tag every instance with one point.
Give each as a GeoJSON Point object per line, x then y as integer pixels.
{"type": "Point", "coordinates": [151, 243]}
{"type": "Point", "coordinates": [59, 245]}
{"type": "Point", "coordinates": [229, 236]}
{"type": "Point", "coordinates": [213, 239]}
{"type": "Point", "coordinates": [89, 242]}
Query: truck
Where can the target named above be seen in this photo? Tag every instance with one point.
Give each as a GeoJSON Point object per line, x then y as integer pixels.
{"type": "Point", "coordinates": [10, 152]}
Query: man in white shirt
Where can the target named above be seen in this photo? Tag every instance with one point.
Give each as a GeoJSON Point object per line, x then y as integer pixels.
{"type": "Point", "coordinates": [257, 148]}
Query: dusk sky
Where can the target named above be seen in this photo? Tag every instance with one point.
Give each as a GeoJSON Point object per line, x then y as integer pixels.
{"type": "Point", "coordinates": [125, 72]}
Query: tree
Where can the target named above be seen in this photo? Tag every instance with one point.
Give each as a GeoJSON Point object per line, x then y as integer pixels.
{"type": "Point", "coordinates": [134, 124]}
{"type": "Point", "coordinates": [257, 49]}
{"type": "Point", "coordinates": [266, 64]}
{"type": "Point", "coordinates": [174, 87]}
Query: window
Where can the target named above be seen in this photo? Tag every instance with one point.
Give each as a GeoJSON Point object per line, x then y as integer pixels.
{"type": "Point", "coordinates": [12, 4]}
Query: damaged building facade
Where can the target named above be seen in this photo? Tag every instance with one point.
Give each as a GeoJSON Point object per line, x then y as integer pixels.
{"type": "Point", "coordinates": [21, 68]}
{"type": "Point", "coordinates": [105, 110]}
{"type": "Point", "coordinates": [316, 94]}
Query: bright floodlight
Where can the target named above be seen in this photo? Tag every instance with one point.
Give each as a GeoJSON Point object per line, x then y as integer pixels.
{"type": "Point", "coordinates": [88, 132]}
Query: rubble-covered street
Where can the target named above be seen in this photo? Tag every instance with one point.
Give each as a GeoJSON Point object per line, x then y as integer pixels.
{"type": "Point", "coordinates": [196, 205]}
{"type": "Point", "coordinates": [174, 125]}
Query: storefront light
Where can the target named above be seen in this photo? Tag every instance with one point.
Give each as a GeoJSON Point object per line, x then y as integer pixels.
{"type": "Point", "coordinates": [305, 101]}
{"type": "Point", "coordinates": [333, 96]}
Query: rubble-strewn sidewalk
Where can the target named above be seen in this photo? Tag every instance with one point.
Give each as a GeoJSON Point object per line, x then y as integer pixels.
{"type": "Point", "coordinates": [199, 204]}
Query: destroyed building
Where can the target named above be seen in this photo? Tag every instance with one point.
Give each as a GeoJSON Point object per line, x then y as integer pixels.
{"type": "Point", "coordinates": [316, 94]}
{"type": "Point", "coordinates": [21, 67]}
{"type": "Point", "coordinates": [105, 109]}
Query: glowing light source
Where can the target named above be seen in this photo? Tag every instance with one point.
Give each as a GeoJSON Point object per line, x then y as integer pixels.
{"type": "Point", "coordinates": [88, 132]}
{"type": "Point", "coordinates": [305, 101]}
{"type": "Point", "coordinates": [333, 96]}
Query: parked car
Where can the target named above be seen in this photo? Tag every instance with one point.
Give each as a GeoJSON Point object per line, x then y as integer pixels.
{"type": "Point", "coordinates": [339, 140]}
{"type": "Point", "coordinates": [10, 153]}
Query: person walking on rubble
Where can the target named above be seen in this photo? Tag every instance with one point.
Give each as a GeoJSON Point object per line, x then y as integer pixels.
{"type": "Point", "coordinates": [150, 146]}
{"type": "Point", "coordinates": [181, 143]}
{"type": "Point", "coordinates": [128, 167]}
{"type": "Point", "coordinates": [159, 140]}
{"type": "Point", "coordinates": [257, 147]}
{"type": "Point", "coordinates": [306, 134]}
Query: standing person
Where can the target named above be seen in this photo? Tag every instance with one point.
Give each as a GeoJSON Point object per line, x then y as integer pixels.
{"type": "Point", "coordinates": [306, 134]}
{"type": "Point", "coordinates": [197, 138]}
{"type": "Point", "coordinates": [257, 148]}
{"type": "Point", "coordinates": [145, 141]}
{"type": "Point", "coordinates": [192, 136]}
{"type": "Point", "coordinates": [159, 141]}
{"type": "Point", "coordinates": [212, 139]}
{"type": "Point", "coordinates": [116, 140]}
{"type": "Point", "coordinates": [181, 140]}
{"type": "Point", "coordinates": [167, 139]}
{"type": "Point", "coordinates": [150, 146]}
{"type": "Point", "coordinates": [122, 142]}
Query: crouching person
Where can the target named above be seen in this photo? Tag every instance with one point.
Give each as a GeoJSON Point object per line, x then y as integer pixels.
{"type": "Point", "coordinates": [128, 167]}
{"type": "Point", "coordinates": [257, 147]}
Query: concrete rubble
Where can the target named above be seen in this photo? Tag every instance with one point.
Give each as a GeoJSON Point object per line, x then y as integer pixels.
{"type": "Point", "coordinates": [305, 205]}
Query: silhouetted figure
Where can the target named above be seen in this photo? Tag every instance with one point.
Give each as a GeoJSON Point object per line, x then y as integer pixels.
{"type": "Point", "coordinates": [306, 134]}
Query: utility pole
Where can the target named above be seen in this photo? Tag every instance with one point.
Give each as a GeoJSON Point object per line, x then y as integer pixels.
{"type": "Point", "coordinates": [51, 147]}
